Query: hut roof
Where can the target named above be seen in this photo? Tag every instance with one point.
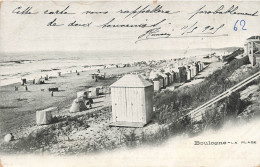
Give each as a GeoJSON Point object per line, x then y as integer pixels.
{"type": "Point", "coordinates": [254, 37]}
{"type": "Point", "coordinates": [132, 81]}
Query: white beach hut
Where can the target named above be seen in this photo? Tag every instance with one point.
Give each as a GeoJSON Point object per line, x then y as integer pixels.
{"type": "Point", "coordinates": [132, 101]}
{"type": "Point", "coordinates": [199, 65]}
{"type": "Point", "coordinates": [158, 81]}
{"type": "Point", "coordinates": [188, 74]}
{"type": "Point", "coordinates": [193, 71]}
{"type": "Point", "coordinates": [202, 65]}
{"type": "Point", "coordinates": [44, 117]}
{"type": "Point", "coordinates": [161, 82]}
{"type": "Point", "coordinates": [156, 84]}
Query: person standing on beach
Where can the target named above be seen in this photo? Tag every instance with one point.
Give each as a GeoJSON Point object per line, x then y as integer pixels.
{"type": "Point", "coordinates": [26, 88]}
{"type": "Point", "coordinates": [51, 93]}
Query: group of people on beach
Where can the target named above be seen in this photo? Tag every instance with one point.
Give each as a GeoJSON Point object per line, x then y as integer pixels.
{"type": "Point", "coordinates": [26, 88]}
{"type": "Point", "coordinates": [52, 92]}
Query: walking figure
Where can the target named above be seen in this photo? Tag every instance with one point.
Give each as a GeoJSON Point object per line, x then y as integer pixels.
{"type": "Point", "coordinates": [26, 88]}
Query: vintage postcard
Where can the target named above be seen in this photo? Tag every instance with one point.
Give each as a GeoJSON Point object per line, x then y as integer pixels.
{"type": "Point", "coordinates": [129, 83]}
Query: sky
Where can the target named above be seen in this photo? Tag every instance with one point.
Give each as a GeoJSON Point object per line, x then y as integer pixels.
{"type": "Point", "coordinates": [30, 33]}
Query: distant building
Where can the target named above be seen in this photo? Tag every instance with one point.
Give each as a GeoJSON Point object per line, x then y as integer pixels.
{"type": "Point", "coordinates": [132, 101]}
{"type": "Point", "coordinates": [252, 49]}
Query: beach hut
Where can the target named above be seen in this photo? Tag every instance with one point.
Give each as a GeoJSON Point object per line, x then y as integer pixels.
{"type": "Point", "coordinates": [182, 73]}
{"type": "Point", "coordinates": [44, 117]}
{"type": "Point", "coordinates": [93, 91]}
{"type": "Point", "coordinates": [165, 77]}
{"type": "Point", "coordinates": [103, 90]}
{"type": "Point", "coordinates": [193, 69]}
{"type": "Point", "coordinates": [82, 94]}
{"type": "Point", "coordinates": [132, 101]}
{"type": "Point", "coordinates": [161, 81]}
{"type": "Point", "coordinates": [168, 78]}
{"type": "Point", "coordinates": [173, 77]}
{"type": "Point", "coordinates": [188, 74]}
{"type": "Point", "coordinates": [78, 105]}
{"type": "Point", "coordinates": [201, 66]}
{"type": "Point", "coordinates": [176, 74]}
{"type": "Point", "coordinates": [197, 68]}
{"type": "Point", "coordinates": [191, 72]}
{"type": "Point", "coordinates": [156, 84]}
{"type": "Point", "coordinates": [177, 77]}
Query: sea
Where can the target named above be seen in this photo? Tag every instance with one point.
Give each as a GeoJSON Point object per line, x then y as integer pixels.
{"type": "Point", "coordinates": [14, 66]}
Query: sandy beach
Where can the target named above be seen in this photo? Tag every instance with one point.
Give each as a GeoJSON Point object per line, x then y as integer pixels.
{"type": "Point", "coordinates": [18, 108]}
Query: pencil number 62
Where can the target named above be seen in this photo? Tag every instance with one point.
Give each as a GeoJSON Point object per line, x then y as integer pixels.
{"type": "Point", "coordinates": [242, 24]}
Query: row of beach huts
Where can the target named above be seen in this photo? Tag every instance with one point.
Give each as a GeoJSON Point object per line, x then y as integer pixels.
{"type": "Point", "coordinates": [164, 77]}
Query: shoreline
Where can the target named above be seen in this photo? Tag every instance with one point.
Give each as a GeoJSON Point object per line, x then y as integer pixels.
{"type": "Point", "coordinates": [52, 71]}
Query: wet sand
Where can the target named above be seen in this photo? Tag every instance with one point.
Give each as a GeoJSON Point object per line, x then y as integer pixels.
{"type": "Point", "coordinates": [18, 108]}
